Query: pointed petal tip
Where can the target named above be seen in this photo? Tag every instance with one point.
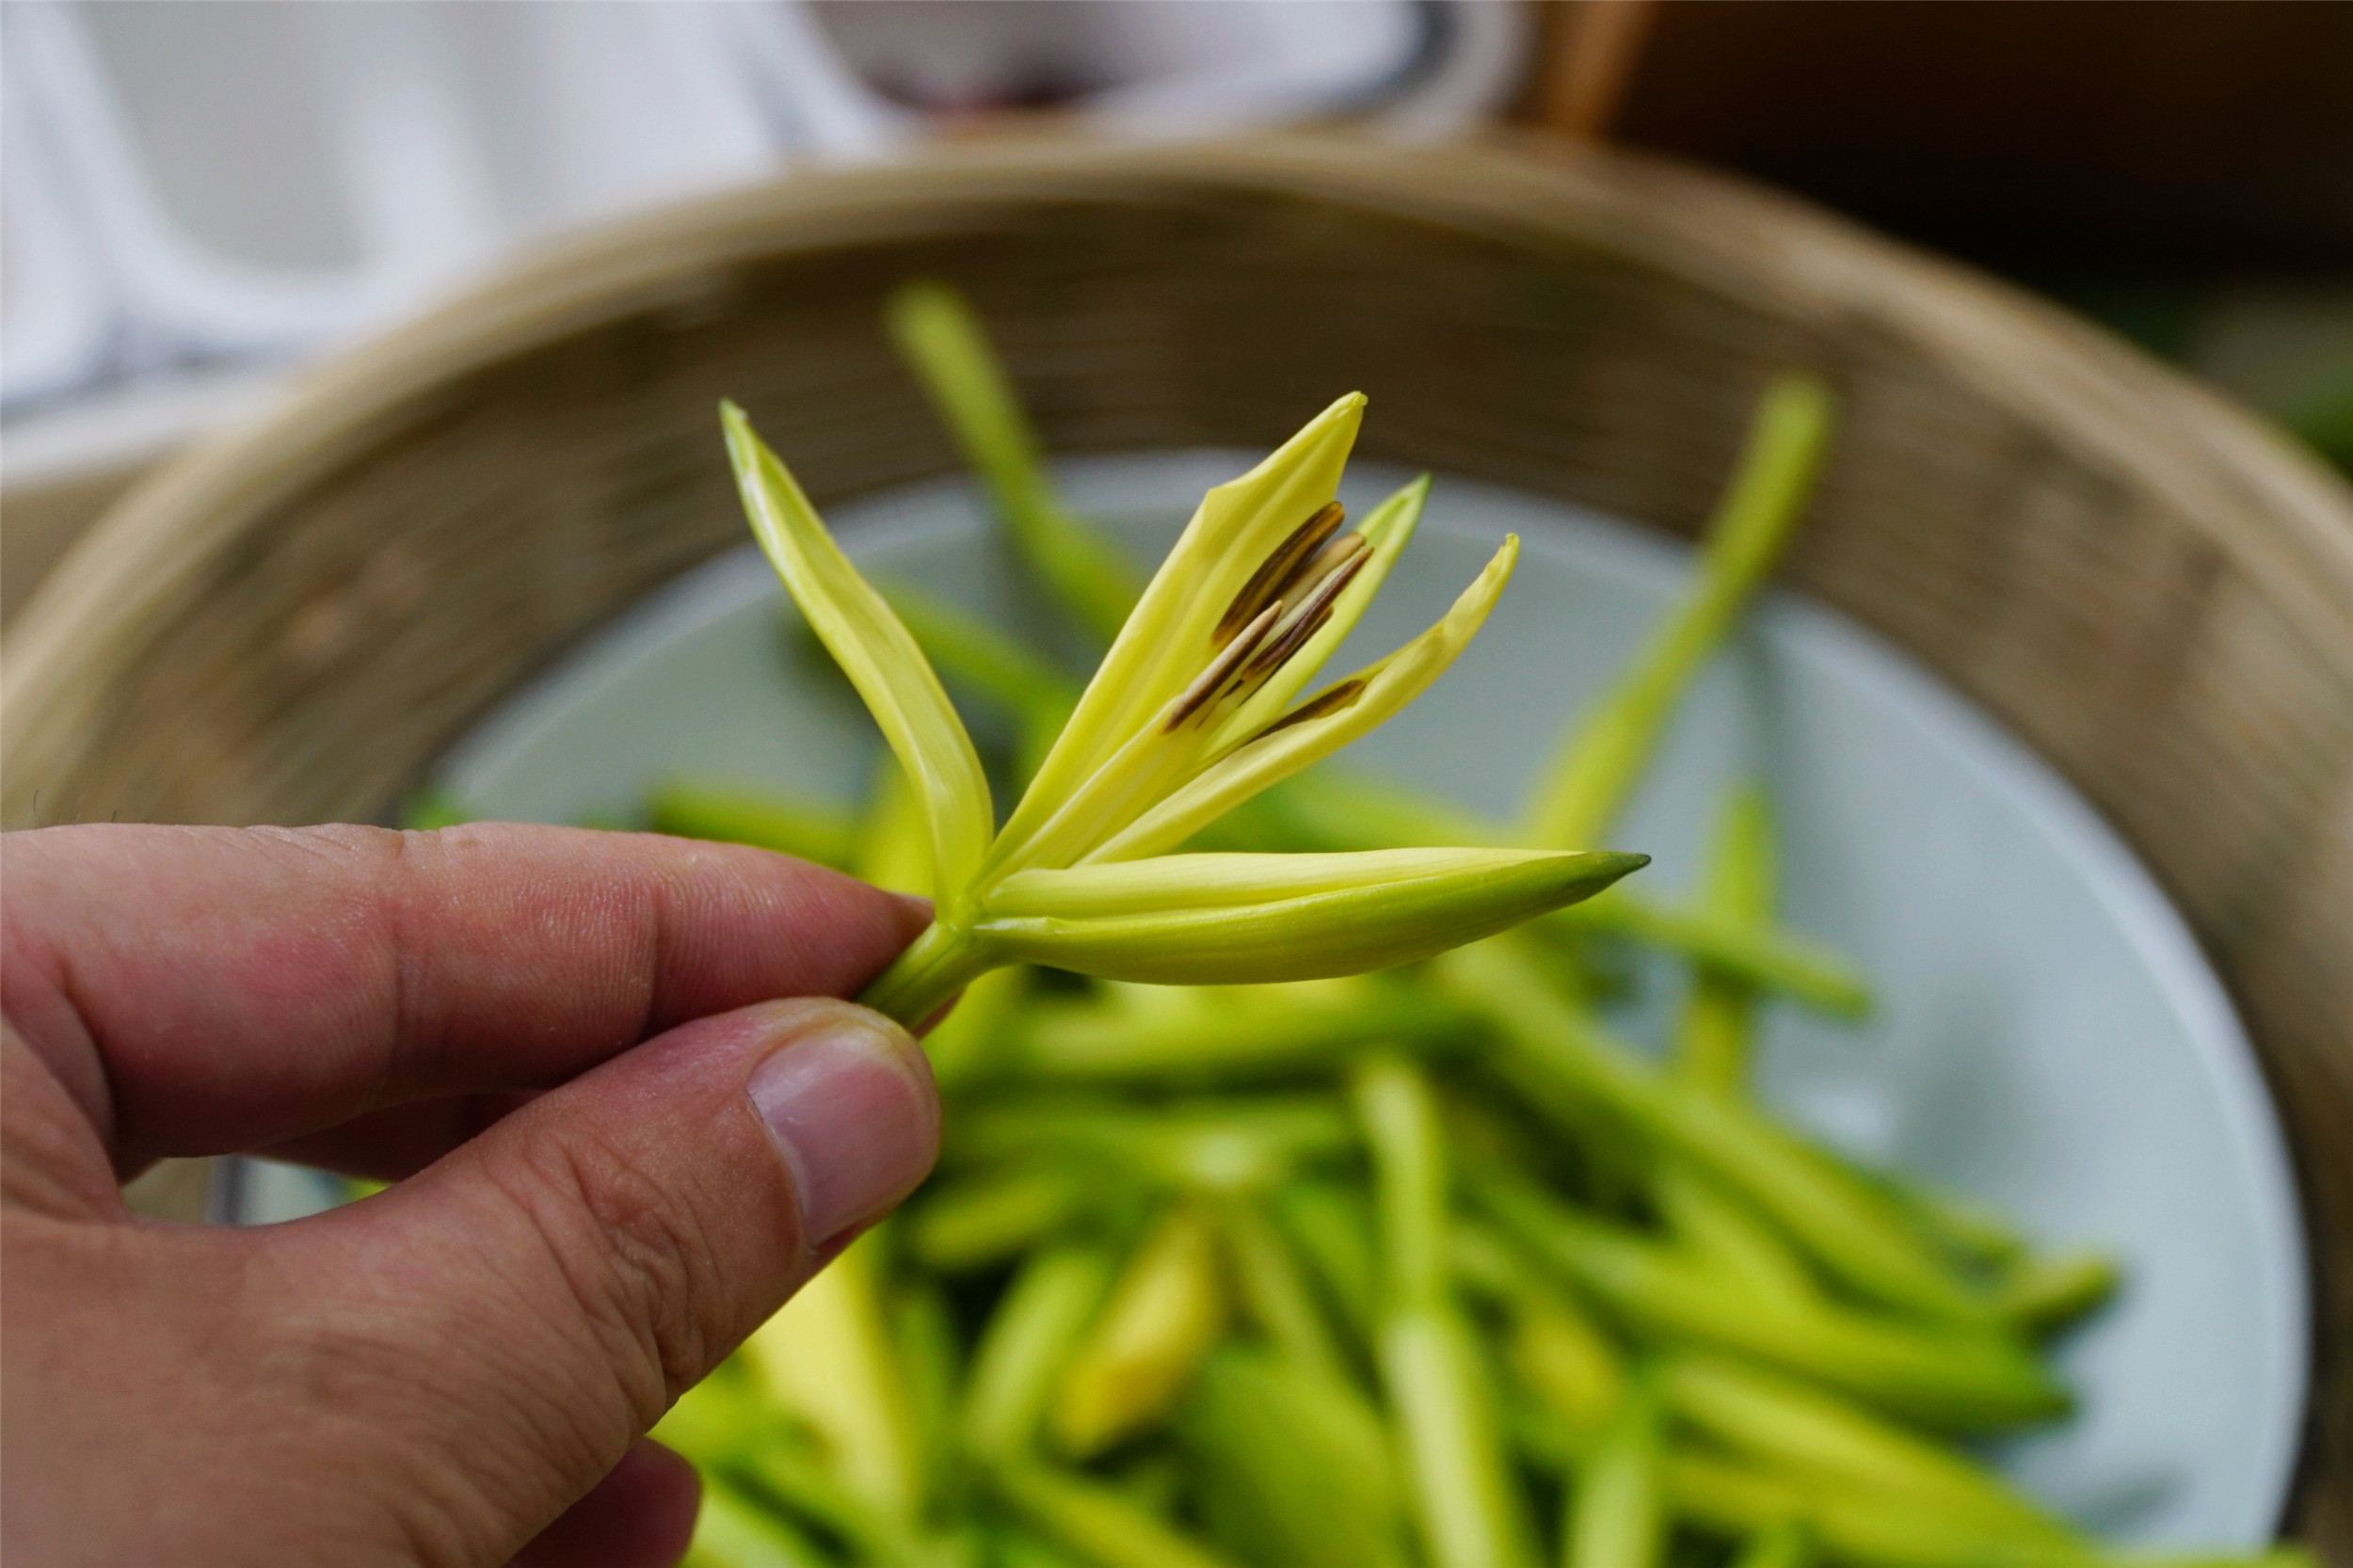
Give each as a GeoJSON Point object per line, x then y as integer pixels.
{"type": "Point", "coordinates": [1605, 866]}
{"type": "Point", "coordinates": [735, 429]}
{"type": "Point", "coordinates": [1345, 414]}
{"type": "Point", "coordinates": [1506, 560]}
{"type": "Point", "coordinates": [1579, 874]}
{"type": "Point", "coordinates": [1347, 410]}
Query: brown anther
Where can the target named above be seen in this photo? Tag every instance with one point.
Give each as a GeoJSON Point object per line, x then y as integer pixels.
{"type": "Point", "coordinates": [1275, 572]}
{"type": "Point", "coordinates": [1304, 623]}
{"type": "Point", "coordinates": [1337, 699]}
{"type": "Point", "coordinates": [1330, 559]}
{"type": "Point", "coordinates": [1208, 684]}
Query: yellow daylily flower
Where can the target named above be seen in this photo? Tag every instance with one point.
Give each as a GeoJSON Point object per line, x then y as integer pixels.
{"type": "Point", "coordinates": [1194, 709]}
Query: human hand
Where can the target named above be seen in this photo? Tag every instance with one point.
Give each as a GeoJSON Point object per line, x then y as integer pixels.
{"type": "Point", "coordinates": [620, 1155]}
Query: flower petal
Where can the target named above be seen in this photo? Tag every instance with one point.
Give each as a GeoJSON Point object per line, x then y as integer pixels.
{"type": "Point", "coordinates": [1168, 639]}
{"type": "Point", "coordinates": [1154, 761]}
{"type": "Point", "coordinates": [1386, 532]}
{"type": "Point", "coordinates": [969, 652]}
{"type": "Point", "coordinates": [1169, 882]}
{"type": "Point", "coordinates": [1346, 931]}
{"type": "Point", "coordinates": [1281, 751]}
{"type": "Point", "coordinates": [874, 651]}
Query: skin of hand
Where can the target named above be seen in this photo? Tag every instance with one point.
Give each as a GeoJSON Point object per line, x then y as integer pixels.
{"type": "Point", "coordinates": [617, 1154]}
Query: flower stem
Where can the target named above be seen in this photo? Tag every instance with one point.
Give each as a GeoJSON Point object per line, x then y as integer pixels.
{"type": "Point", "coordinates": [1605, 753]}
{"type": "Point", "coordinates": [921, 980]}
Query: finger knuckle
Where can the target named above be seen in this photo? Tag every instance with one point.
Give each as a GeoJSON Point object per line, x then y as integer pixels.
{"type": "Point", "coordinates": [635, 1260]}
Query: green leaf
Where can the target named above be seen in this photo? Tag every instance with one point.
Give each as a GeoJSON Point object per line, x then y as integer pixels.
{"type": "Point", "coordinates": [874, 651]}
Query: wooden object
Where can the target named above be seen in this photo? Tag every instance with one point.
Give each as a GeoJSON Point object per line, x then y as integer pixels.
{"type": "Point", "coordinates": [2137, 579]}
{"type": "Point", "coordinates": [1591, 50]}
{"type": "Point", "coordinates": [2146, 140]}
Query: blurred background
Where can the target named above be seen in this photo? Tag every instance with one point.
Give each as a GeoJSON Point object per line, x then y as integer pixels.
{"type": "Point", "coordinates": [200, 197]}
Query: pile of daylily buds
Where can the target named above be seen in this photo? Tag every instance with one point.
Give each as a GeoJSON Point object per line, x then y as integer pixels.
{"type": "Point", "coordinates": [1297, 1208]}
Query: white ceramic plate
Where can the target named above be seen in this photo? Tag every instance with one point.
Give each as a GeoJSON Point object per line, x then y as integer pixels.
{"type": "Point", "coordinates": [2049, 1038]}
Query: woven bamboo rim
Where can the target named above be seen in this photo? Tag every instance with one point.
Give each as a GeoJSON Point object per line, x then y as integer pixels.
{"type": "Point", "coordinates": [2140, 581]}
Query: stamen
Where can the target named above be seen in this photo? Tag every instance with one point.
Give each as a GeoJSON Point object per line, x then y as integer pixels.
{"type": "Point", "coordinates": [1339, 698]}
{"type": "Point", "coordinates": [1275, 572]}
{"type": "Point", "coordinates": [1329, 559]}
{"type": "Point", "coordinates": [1310, 617]}
{"type": "Point", "coordinates": [1205, 685]}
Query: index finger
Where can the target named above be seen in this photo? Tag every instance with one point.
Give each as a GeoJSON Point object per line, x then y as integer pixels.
{"type": "Point", "coordinates": [202, 990]}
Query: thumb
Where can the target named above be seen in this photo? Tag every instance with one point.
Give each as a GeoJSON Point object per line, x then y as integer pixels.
{"type": "Point", "coordinates": [562, 1277]}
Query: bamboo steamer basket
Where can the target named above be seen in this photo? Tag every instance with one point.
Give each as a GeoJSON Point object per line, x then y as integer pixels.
{"type": "Point", "coordinates": [2140, 581]}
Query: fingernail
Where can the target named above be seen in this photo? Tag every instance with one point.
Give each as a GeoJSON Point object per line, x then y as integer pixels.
{"type": "Point", "coordinates": [851, 1109]}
